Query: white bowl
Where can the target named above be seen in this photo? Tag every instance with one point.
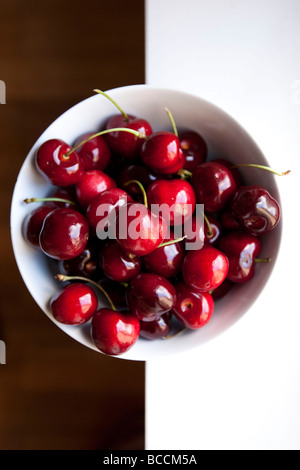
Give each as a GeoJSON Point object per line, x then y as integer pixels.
{"type": "Point", "coordinates": [225, 138]}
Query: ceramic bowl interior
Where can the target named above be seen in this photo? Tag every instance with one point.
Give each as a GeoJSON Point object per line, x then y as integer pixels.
{"type": "Point", "coordinates": [225, 139]}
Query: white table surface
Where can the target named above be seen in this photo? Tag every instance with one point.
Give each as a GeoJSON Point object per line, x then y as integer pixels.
{"type": "Point", "coordinates": [242, 390]}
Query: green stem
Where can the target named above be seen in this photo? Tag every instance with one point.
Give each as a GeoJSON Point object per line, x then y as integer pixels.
{"type": "Point", "coordinates": [184, 174]}
{"type": "Point", "coordinates": [105, 131]}
{"type": "Point", "coordinates": [63, 278]}
{"type": "Point", "coordinates": [172, 122]}
{"type": "Point", "coordinates": [141, 188]}
{"type": "Point", "coordinates": [171, 242]}
{"type": "Point", "coordinates": [262, 260]}
{"type": "Point", "coordinates": [47, 199]}
{"type": "Point", "coordinates": [112, 101]}
{"type": "Point", "coordinates": [209, 231]}
{"type": "Point", "coordinates": [262, 167]}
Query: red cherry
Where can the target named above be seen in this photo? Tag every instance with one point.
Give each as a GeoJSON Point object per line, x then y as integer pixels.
{"type": "Point", "coordinates": [241, 250]}
{"type": "Point", "coordinates": [214, 186]}
{"type": "Point", "coordinates": [177, 195]}
{"type": "Point", "coordinates": [64, 234]}
{"type": "Point", "coordinates": [74, 304]}
{"type": "Point", "coordinates": [202, 231]}
{"type": "Point", "coordinates": [166, 260]}
{"type": "Point", "coordinates": [161, 152]}
{"type": "Point", "coordinates": [125, 144]}
{"type": "Point", "coordinates": [139, 231]}
{"type": "Point", "coordinates": [117, 264]}
{"type": "Point", "coordinates": [193, 308]}
{"type": "Point", "coordinates": [103, 209]}
{"type": "Point", "coordinates": [212, 230]}
{"type": "Point", "coordinates": [228, 220]}
{"type": "Point", "coordinates": [116, 292]}
{"type": "Point", "coordinates": [193, 232]}
{"type": "Point", "coordinates": [67, 193]}
{"type": "Point", "coordinates": [114, 332]}
{"type": "Point", "coordinates": [205, 269]}
{"type": "Point", "coordinates": [95, 153]}
{"type": "Point", "coordinates": [92, 183]}
{"type": "Point", "coordinates": [56, 166]}
{"type": "Point", "coordinates": [174, 169]}
{"type": "Point", "coordinates": [136, 172]}
{"type": "Point", "coordinates": [158, 328]}
{"type": "Point", "coordinates": [255, 209]}
{"type": "Point", "coordinates": [32, 224]}
{"type": "Point", "coordinates": [234, 171]}
{"type": "Point", "coordinates": [194, 148]}
{"type": "Point", "coordinates": [149, 296]}
{"type": "Point", "coordinates": [222, 290]}
{"type": "Point", "coordinates": [86, 264]}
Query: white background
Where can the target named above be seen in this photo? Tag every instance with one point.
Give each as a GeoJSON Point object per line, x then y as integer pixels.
{"type": "Point", "coordinates": [242, 390]}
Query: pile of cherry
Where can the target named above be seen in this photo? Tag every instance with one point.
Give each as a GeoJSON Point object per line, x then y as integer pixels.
{"type": "Point", "coordinates": [151, 281]}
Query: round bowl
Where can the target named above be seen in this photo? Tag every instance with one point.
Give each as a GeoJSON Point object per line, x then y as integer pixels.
{"type": "Point", "coordinates": [225, 139]}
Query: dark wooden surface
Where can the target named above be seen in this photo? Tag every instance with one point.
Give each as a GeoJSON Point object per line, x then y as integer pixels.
{"type": "Point", "coordinates": [54, 392]}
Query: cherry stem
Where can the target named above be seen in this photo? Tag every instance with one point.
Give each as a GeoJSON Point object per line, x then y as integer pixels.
{"type": "Point", "coordinates": [262, 260]}
{"type": "Point", "coordinates": [124, 284]}
{"type": "Point", "coordinates": [141, 188]}
{"type": "Point", "coordinates": [172, 122]}
{"type": "Point", "coordinates": [46, 199]}
{"type": "Point", "coordinates": [110, 99]}
{"type": "Point", "coordinates": [184, 174]}
{"type": "Point", "coordinates": [105, 131]}
{"type": "Point", "coordinates": [210, 232]}
{"type": "Point", "coordinates": [171, 242]}
{"type": "Point", "coordinates": [262, 167]}
{"type": "Point", "coordinates": [175, 334]}
{"type": "Point", "coordinates": [63, 278]}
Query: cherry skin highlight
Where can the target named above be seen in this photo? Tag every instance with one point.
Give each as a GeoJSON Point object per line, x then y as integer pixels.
{"type": "Point", "coordinates": [95, 153]}
{"type": "Point", "coordinates": [123, 143]}
{"type": "Point", "coordinates": [156, 329]}
{"type": "Point", "coordinates": [32, 224]}
{"type": "Point", "coordinates": [64, 234]}
{"type": "Point", "coordinates": [194, 149]}
{"type": "Point", "coordinates": [139, 231]}
{"type": "Point", "coordinates": [161, 152]}
{"type": "Point", "coordinates": [113, 332]}
{"type": "Point", "coordinates": [91, 184]}
{"type": "Point", "coordinates": [149, 296]}
{"type": "Point", "coordinates": [117, 264]}
{"type": "Point", "coordinates": [193, 308]}
{"type": "Point", "coordinates": [85, 265]}
{"type": "Point", "coordinates": [166, 260]}
{"type": "Point", "coordinates": [55, 166]}
{"type": "Point", "coordinates": [205, 269]}
{"type": "Point", "coordinates": [214, 186]}
{"type": "Point", "coordinates": [241, 250]}
{"type": "Point", "coordinates": [234, 171]}
{"type": "Point", "coordinates": [255, 209]}
{"type": "Point", "coordinates": [177, 195]}
{"type": "Point", "coordinates": [74, 304]}
{"type": "Point", "coordinates": [104, 207]}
